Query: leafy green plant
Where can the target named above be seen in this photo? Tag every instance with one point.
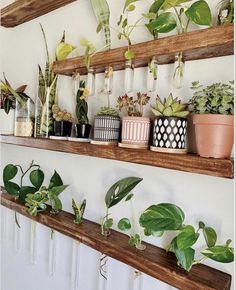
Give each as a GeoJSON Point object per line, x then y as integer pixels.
{"type": "Point", "coordinates": [8, 95]}
{"type": "Point", "coordinates": [81, 104]}
{"type": "Point", "coordinates": [163, 217]}
{"type": "Point", "coordinates": [117, 192]}
{"type": "Point", "coordinates": [79, 211]}
{"type": "Point", "coordinates": [102, 13]}
{"type": "Point", "coordinates": [133, 107]}
{"type": "Point", "coordinates": [217, 98]}
{"type": "Point", "coordinates": [170, 107]}
{"type": "Point", "coordinates": [225, 12]}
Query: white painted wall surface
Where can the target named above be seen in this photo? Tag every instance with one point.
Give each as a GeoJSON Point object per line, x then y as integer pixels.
{"type": "Point", "coordinates": [202, 197]}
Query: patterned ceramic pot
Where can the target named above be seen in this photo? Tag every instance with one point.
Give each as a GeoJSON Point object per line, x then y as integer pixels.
{"type": "Point", "coordinates": [106, 128]}
{"type": "Point", "coordinates": [169, 135]}
{"type": "Point", "coordinates": [135, 132]}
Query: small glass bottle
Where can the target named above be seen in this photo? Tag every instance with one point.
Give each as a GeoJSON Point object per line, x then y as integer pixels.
{"type": "Point", "coordinates": [108, 80]}
{"type": "Point", "coordinates": [24, 118]}
{"type": "Point", "coordinates": [91, 81]}
{"type": "Point", "coordinates": [129, 76]}
{"type": "Point", "coordinates": [152, 75]}
{"type": "Point", "coordinates": [178, 71]}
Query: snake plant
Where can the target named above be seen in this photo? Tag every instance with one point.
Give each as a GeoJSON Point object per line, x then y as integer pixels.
{"type": "Point", "coordinates": [102, 13]}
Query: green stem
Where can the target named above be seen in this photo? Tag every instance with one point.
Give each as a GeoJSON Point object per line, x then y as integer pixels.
{"type": "Point", "coordinates": [180, 21]}
{"type": "Point", "coordinates": [16, 220]}
{"type": "Point", "coordinates": [186, 28]}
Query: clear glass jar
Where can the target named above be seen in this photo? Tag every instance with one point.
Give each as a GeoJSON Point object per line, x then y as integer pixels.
{"type": "Point", "coordinates": [108, 80]}
{"type": "Point", "coordinates": [152, 75]}
{"type": "Point", "coordinates": [91, 81]}
{"type": "Point", "coordinates": [178, 71]}
{"type": "Point", "coordinates": [24, 118]}
{"type": "Point", "coordinates": [129, 76]}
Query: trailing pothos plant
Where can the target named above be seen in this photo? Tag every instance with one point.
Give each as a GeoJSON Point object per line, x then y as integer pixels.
{"type": "Point", "coordinates": [157, 219]}
{"type": "Point", "coordinates": [118, 191]}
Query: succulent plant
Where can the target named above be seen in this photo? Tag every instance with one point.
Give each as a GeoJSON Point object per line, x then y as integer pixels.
{"type": "Point", "coordinates": [82, 105]}
{"type": "Point", "coordinates": [217, 98]}
{"type": "Point", "coordinates": [170, 107]}
{"type": "Point", "coordinates": [108, 111]}
{"type": "Point", "coordinates": [59, 115]}
{"type": "Point", "coordinates": [133, 107]}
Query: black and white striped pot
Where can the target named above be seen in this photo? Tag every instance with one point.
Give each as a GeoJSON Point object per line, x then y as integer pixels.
{"type": "Point", "coordinates": [169, 135]}
{"type": "Point", "coordinates": [106, 128]}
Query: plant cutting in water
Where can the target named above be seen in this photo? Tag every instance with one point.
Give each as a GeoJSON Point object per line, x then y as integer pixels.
{"type": "Point", "coordinates": [78, 211]}
{"type": "Point", "coordinates": [9, 96]}
{"type": "Point", "coordinates": [217, 98]}
{"type": "Point", "coordinates": [170, 107]}
{"type": "Point", "coordinates": [117, 192]}
{"type": "Point", "coordinates": [163, 217]}
{"type": "Point", "coordinates": [133, 107]}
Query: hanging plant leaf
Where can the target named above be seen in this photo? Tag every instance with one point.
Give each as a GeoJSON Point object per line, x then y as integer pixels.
{"type": "Point", "coordinates": [124, 224]}
{"type": "Point", "coordinates": [37, 178]}
{"type": "Point", "coordinates": [163, 23]}
{"type": "Point", "coordinates": [186, 238]}
{"type": "Point", "coordinates": [55, 180]}
{"type": "Point", "coordinates": [222, 254]}
{"type": "Point", "coordinates": [129, 54]}
{"type": "Point", "coordinates": [24, 190]}
{"type": "Point", "coordinates": [210, 236]}
{"type": "Point", "coordinates": [156, 6]}
{"type": "Point", "coordinates": [12, 188]}
{"type": "Point", "coordinates": [127, 3]}
{"type": "Point", "coordinates": [172, 3]}
{"type": "Point", "coordinates": [63, 50]}
{"type": "Point", "coordinates": [9, 172]}
{"type": "Point", "coordinates": [199, 13]}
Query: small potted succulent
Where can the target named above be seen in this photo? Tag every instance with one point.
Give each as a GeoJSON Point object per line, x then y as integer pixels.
{"type": "Point", "coordinates": [62, 122]}
{"type": "Point", "coordinates": [213, 108]}
{"type": "Point", "coordinates": [170, 124]}
{"type": "Point", "coordinates": [135, 127]}
{"type": "Point", "coordinates": [83, 127]}
{"type": "Point", "coordinates": [106, 126]}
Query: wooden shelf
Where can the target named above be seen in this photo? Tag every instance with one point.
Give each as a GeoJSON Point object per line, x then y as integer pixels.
{"type": "Point", "coordinates": [189, 162]}
{"type": "Point", "coordinates": [21, 11]}
{"type": "Point", "coordinates": [153, 261]}
{"type": "Point", "coordinates": [206, 43]}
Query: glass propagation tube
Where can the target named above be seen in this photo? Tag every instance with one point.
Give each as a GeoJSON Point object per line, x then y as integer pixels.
{"type": "Point", "coordinates": [129, 76]}
{"type": "Point", "coordinates": [108, 80]}
{"type": "Point", "coordinates": [152, 75]}
{"type": "Point", "coordinates": [91, 81]}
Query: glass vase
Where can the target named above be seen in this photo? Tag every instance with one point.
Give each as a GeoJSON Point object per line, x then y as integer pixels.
{"type": "Point", "coordinates": [91, 81]}
{"type": "Point", "coordinates": [24, 118]}
{"type": "Point", "coordinates": [129, 76]}
{"type": "Point", "coordinates": [178, 71]}
{"type": "Point", "coordinates": [152, 75]}
{"type": "Point", "coordinates": [108, 80]}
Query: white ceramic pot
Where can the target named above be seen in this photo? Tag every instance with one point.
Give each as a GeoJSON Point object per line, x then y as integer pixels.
{"type": "Point", "coordinates": [7, 122]}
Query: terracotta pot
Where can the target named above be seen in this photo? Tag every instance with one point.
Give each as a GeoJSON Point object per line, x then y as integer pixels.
{"type": "Point", "coordinates": [135, 131]}
{"type": "Point", "coordinates": [7, 122]}
{"type": "Point", "coordinates": [169, 135]}
{"type": "Point", "coordinates": [214, 135]}
{"type": "Point", "coordinates": [106, 128]}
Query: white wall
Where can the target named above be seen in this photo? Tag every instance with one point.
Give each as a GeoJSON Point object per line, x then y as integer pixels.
{"type": "Point", "coordinates": [202, 197]}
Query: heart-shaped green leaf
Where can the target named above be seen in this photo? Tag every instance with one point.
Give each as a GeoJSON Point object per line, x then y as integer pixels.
{"type": "Point", "coordinates": [37, 178]}
{"type": "Point", "coordinates": [186, 238]}
{"type": "Point", "coordinates": [164, 23]}
{"type": "Point", "coordinates": [210, 236]}
{"type": "Point", "coordinates": [199, 13]}
{"type": "Point", "coordinates": [12, 188]}
{"type": "Point", "coordinates": [55, 180]}
{"type": "Point", "coordinates": [124, 224]}
{"type": "Point", "coordinates": [9, 172]}
{"type": "Point", "coordinates": [222, 254]}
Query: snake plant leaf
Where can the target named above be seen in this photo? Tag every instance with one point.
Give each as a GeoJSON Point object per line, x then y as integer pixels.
{"type": "Point", "coordinates": [37, 178]}
{"type": "Point", "coordinates": [63, 50]}
{"type": "Point", "coordinates": [120, 190]}
{"type": "Point", "coordinates": [102, 13]}
{"type": "Point", "coordinates": [222, 254]}
{"type": "Point", "coordinates": [164, 23]}
{"type": "Point", "coordinates": [124, 224]}
{"type": "Point", "coordinates": [78, 211]}
{"type": "Point", "coordinates": [7, 105]}
{"type": "Point", "coordinates": [199, 13]}
{"type": "Point", "coordinates": [186, 238]}
{"type": "Point", "coordinates": [162, 217]}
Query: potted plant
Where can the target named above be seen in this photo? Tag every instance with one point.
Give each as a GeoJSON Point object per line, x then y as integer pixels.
{"type": "Point", "coordinates": [62, 122]}
{"type": "Point", "coordinates": [83, 127]}
{"type": "Point", "coordinates": [135, 127]}
{"type": "Point", "coordinates": [8, 98]}
{"type": "Point", "coordinates": [170, 124]}
{"type": "Point", "coordinates": [213, 108]}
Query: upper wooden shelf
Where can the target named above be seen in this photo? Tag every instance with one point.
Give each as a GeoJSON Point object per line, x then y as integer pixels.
{"type": "Point", "coordinates": [21, 11]}
{"type": "Point", "coordinates": [189, 162]}
{"type": "Point", "coordinates": [153, 261]}
{"type": "Point", "coordinates": [205, 43]}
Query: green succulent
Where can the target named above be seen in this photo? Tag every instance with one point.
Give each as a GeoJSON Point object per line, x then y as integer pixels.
{"type": "Point", "coordinates": [107, 111]}
{"type": "Point", "coordinates": [170, 107]}
{"type": "Point", "coordinates": [217, 98]}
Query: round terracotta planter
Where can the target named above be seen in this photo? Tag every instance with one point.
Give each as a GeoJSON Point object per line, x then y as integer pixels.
{"type": "Point", "coordinates": [135, 132]}
{"type": "Point", "coordinates": [214, 135]}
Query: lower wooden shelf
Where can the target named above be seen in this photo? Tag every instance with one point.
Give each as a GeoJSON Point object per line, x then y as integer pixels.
{"type": "Point", "coordinates": [153, 261]}
{"type": "Point", "coordinates": [182, 162]}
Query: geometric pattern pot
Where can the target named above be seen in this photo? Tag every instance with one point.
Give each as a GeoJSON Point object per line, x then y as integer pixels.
{"type": "Point", "coordinates": [106, 128]}
{"type": "Point", "coordinates": [135, 132]}
{"type": "Point", "coordinates": [169, 134]}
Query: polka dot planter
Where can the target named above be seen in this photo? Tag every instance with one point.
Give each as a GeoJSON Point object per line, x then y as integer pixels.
{"type": "Point", "coordinates": [169, 135]}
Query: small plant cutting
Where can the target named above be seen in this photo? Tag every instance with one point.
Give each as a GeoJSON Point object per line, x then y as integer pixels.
{"type": "Point", "coordinates": [62, 121]}
{"type": "Point", "coordinates": [118, 191]}
{"type": "Point", "coordinates": [170, 124]}
{"type": "Point", "coordinates": [135, 127]}
{"type": "Point", "coordinates": [225, 12]}
{"type": "Point", "coordinates": [157, 219]}
{"type": "Point", "coordinates": [83, 127]}
{"type": "Point", "coordinates": [213, 108]}
{"type": "Point", "coordinates": [78, 211]}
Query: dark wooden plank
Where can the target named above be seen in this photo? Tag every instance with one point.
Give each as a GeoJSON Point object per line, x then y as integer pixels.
{"type": "Point", "coordinates": [188, 163]}
{"type": "Point", "coordinates": [201, 44]}
{"type": "Point", "coordinates": [21, 11]}
{"type": "Point", "coordinates": [153, 261]}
